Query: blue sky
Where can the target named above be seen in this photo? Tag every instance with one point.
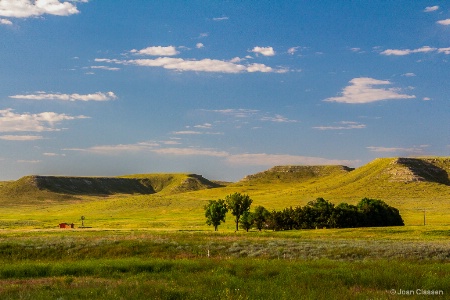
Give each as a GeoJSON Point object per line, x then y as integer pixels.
{"type": "Point", "coordinates": [219, 88]}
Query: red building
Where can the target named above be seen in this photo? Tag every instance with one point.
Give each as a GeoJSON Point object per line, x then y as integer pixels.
{"type": "Point", "coordinates": [66, 225]}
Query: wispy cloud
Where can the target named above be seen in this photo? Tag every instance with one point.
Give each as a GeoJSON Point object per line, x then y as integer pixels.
{"type": "Point", "coordinates": [104, 68]}
{"type": "Point", "coordinates": [414, 150]}
{"type": "Point", "coordinates": [344, 125]}
{"type": "Point", "coordinates": [278, 119]}
{"type": "Point", "coordinates": [409, 74]}
{"type": "Point", "coordinates": [12, 122]}
{"type": "Point", "coordinates": [431, 8]}
{"type": "Point", "coordinates": [264, 159]}
{"type": "Point", "coordinates": [236, 112]}
{"type": "Point", "coordinates": [266, 51]}
{"type": "Point", "coordinates": [32, 8]}
{"type": "Point", "coordinates": [445, 22]}
{"type": "Point", "coordinates": [292, 50]}
{"type": "Point", "coordinates": [99, 96]}
{"type": "Point", "coordinates": [157, 51]}
{"type": "Point", "coordinates": [424, 49]}
{"type": "Point", "coordinates": [361, 90]}
{"type": "Point", "coordinates": [24, 161]}
{"type": "Point", "coordinates": [254, 159]}
{"type": "Point", "coordinates": [221, 19]}
{"type": "Point", "coordinates": [21, 137]}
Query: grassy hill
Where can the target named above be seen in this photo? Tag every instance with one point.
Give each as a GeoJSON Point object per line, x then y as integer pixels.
{"type": "Point", "coordinates": [66, 187]}
{"type": "Point", "coordinates": [162, 201]}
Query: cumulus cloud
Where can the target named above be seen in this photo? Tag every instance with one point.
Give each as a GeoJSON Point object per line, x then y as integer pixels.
{"type": "Point", "coordinates": [362, 90]}
{"type": "Point", "coordinates": [344, 125]}
{"type": "Point", "coordinates": [431, 8]}
{"type": "Point", "coordinates": [444, 22]}
{"type": "Point", "coordinates": [21, 137]}
{"type": "Point", "coordinates": [157, 51]}
{"type": "Point", "coordinates": [12, 122]}
{"type": "Point", "coordinates": [203, 65]}
{"type": "Point", "coordinates": [199, 45]}
{"type": "Point", "coordinates": [5, 22]}
{"type": "Point", "coordinates": [99, 96]}
{"type": "Point", "coordinates": [266, 51]}
{"type": "Point", "coordinates": [34, 8]}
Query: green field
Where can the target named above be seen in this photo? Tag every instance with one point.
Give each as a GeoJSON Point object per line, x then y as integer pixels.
{"type": "Point", "coordinates": [158, 246]}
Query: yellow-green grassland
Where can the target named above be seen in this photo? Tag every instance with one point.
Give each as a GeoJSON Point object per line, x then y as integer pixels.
{"type": "Point", "coordinates": [145, 236]}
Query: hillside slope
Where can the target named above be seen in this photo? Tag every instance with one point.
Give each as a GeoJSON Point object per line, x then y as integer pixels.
{"type": "Point", "coordinates": [64, 187]}
{"type": "Point", "coordinates": [383, 177]}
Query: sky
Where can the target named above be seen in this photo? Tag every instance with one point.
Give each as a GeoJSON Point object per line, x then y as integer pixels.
{"type": "Point", "coordinates": [219, 88]}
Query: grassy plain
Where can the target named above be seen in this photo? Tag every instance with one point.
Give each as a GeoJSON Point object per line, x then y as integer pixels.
{"type": "Point", "coordinates": [157, 246]}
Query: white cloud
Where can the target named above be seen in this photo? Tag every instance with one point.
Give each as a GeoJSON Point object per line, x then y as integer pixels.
{"type": "Point", "coordinates": [263, 159]}
{"type": "Point", "coordinates": [204, 126]}
{"type": "Point", "coordinates": [116, 149]}
{"type": "Point", "coordinates": [199, 45]}
{"type": "Point", "coordinates": [157, 51]}
{"type": "Point", "coordinates": [409, 74]}
{"type": "Point", "coordinates": [402, 52]}
{"type": "Point", "coordinates": [444, 50]}
{"type": "Point", "coordinates": [362, 90]}
{"type": "Point", "coordinates": [444, 22]}
{"type": "Point", "coordinates": [191, 151]}
{"type": "Point", "coordinates": [415, 149]}
{"type": "Point", "coordinates": [236, 113]}
{"type": "Point", "coordinates": [220, 19]}
{"type": "Point", "coordinates": [203, 65]}
{"type": "Point", "coordinates": [344, 125]}
{"type": "Point", "coordinates": [105, 68]}
{"type": "Point", "coordinates": [278, 119]}
{"type": "Point", "coordinates": [99, 96]}
{"type": "Point", "coordinates": [29, 8]}
{"type": "Point", "coordinates": [355, 49]}
{"type": "Point", "coordinates": [5, 22]}
{"type": "Point", "coordinates": [426, 99]}
{"type": "Point", "coordinates": [23, 161]}
{"type": "Point", "coordinates": [12, 122]}
{"type": "Point", "coordinates": [292, 50]}
{"type": "Point", "coordinates": [266, 51]}
{"type": "Point", "coordinates": [431, 8]}
{"type": "Point", "coordinates": [21, 137]}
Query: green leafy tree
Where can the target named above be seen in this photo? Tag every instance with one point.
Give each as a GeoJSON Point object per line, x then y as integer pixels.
{"type": "Point", "coordinates": [215, 212]}
{"type": "Point", "coordinates": [238, 204]}
{"type": "Point", "coordinates": [260, 217]}
{"type": "Point", "coordinates": [246, 220]}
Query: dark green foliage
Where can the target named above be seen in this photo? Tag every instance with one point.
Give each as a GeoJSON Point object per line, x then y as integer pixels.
{"type": "Point", "coordinates": [377, 213]}
{"type": "Point", "coordinates": [238, 204]}
{"type": "Point", "coordinates": [321, 213]}
{"type": "Point", "coordinates": [260, 216]}
{"type": "Point", "coordinates": [215, 212]}
{"type": "Point", "coordinates": [246, 220]}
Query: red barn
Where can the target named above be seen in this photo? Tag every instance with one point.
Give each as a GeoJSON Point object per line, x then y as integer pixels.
{"type": "Point", "coordinates": [66, 225]}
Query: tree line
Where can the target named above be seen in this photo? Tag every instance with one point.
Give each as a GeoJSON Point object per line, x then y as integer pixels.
{"type": "Point", "coordinates": [319, 213]}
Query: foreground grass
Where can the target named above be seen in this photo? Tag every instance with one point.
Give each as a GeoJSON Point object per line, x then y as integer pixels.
{"type": "Point", "coordinates": [366, 263]}
{"type": "Point", "coordinates": [220, 279]}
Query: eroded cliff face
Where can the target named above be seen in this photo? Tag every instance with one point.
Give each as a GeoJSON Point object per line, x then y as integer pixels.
{"type": "Point", "coordinates": [420, 169]}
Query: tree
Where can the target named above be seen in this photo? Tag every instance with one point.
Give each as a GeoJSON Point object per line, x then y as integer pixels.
{"type": "Point", "coordinates": [215, 212]}
{"type": "Point", "coordinates": [238, 204]}
{"type": "Point", "coordinates": [246, 220]}
{"type": "Point", "coordinates": [260, 216]}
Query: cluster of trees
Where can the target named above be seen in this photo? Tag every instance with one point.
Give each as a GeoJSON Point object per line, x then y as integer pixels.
{"type": "Point", "coordinates": [319, 213]}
